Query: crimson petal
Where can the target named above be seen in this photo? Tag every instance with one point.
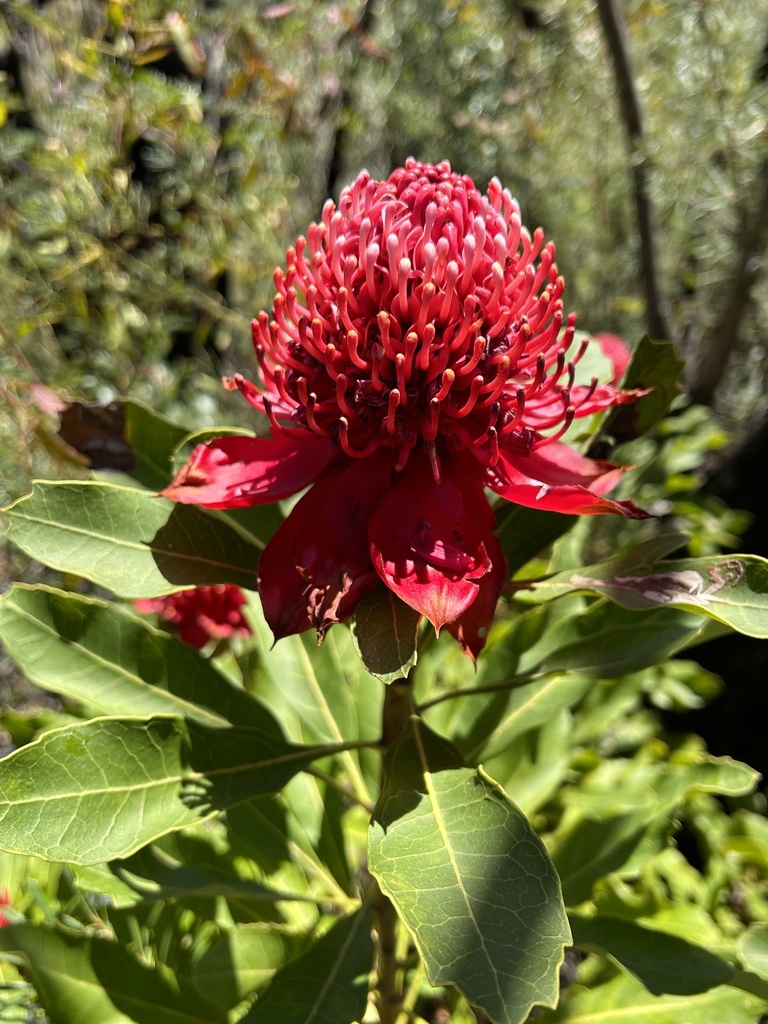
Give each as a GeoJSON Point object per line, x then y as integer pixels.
{"type": "Point", "coordinates": [236, 471]}
{"type": "Point", "coordinates": [557, 479]}
{"type": "Point", "coordinates": [429, 542]}
{"type": "Point", "coordinates": [472, 627]}
{"type": "Point", "coordinates": [317, 566]}
{"type": "Point", "coordinates": [557, 464]}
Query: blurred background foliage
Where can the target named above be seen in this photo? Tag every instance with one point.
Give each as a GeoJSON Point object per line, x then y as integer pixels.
{"type": "Point", "coordinates": [157, 158]}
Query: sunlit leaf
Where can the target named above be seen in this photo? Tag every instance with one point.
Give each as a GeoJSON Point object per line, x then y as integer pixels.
{"type": "Point", "coordinates": [243, 960]}
{"type": "Point", "coordinates": [620, 815]}
{"type": "Point", "coordinates": [96, 981]}
{"type": "Point", "coordinates": [103, 789]}
{"type": "Point", "coordinates": [469, 877]}
{"type": "Point", "coordinates": [732, 589]}
{"type": "Point", "coordinates": [117, 663]}
{"type": "Point", "coordinates": [753, 949]}
{"type": "Point", "coordinates": [130, 541]}
{"type": "Point", "coordinates": [623, 999]}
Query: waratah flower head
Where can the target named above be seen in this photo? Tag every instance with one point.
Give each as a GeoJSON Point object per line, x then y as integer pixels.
{"type": "Point", "coordinates": [202, 613]}
{"type": "Point", "coordinates": [416, 354]}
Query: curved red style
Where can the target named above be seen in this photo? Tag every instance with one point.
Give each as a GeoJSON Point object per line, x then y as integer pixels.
{"type": "Point", "coordinates": [416, 355]}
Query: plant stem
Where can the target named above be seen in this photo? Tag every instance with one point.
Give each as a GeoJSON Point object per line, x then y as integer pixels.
{"type": "Point", "coordinates": [398, 708]}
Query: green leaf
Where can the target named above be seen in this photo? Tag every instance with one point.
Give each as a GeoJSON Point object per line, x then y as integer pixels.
{"type": "Point", "coordinates": [508, 714]}
{"type": "Point", "coordinates": [103, 789]}
{"type": "Point", "coordinates": [385, 634]}
{"type": "Point", "coordinates": [587, 849]}
{"type": "Point", "coordinates": [155, 876]}
{"type": "Point", "coordinates": [124, 438]}
{"type": "Point", "coordinates": [469, 877]}
{"type": "Point", "coordinates": [525, 532]}
{"type": "Point", "coordinates": [153, 439]}
{"type": "Point", "coordinates": [94, 981]}
{"type": "Point", "coordinates": [116, 663]}
{"type": "Point", "coordinates": [129, 541]}
{"type": "Point", "coordinates": [732, 590]}
{"type": "Point", "coordinates": [619, 816]}
{"type": "Point", "coordinates": [606, 641]}
{"type": "Point", "coordinates": [663, 963]}
{"type": "Point", "coordinates": [623, 1000]}
{"type": "Point", "coordinates": [752, 947]}
{"type": "Point", "coordinates": [244, 960]}
{"type": "Point", "coordinates": [656, 365]}
{"type": "Point", "coordinates": [326, 985]}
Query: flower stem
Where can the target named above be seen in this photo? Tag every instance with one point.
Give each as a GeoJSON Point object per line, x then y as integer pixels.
{"type": "Point", "coordinates": [398, 708]}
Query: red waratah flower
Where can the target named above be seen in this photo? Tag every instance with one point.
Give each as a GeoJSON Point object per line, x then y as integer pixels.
{"type": "Point", "coordinates": [201, 614]}
{"type": "Point", "coordinates": [5, 901]}
{"type": "Point", "coordinates": [415, 356]}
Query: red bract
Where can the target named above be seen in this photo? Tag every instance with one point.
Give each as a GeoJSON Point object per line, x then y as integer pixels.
{"type": "Point", "coordinates": [201, 614]}
{"type": "Point", "coordinates": [416, 354]}
{"type": "Point", "coordinates": [5, 901]}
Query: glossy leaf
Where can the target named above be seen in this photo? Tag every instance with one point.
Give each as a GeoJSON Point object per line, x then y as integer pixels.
{"type": "Point", "coordinates": [326, 985]}
{"type": "Point", "coordinates": [607, 641]}
{"type": "Point", "coordinates": [116, 663]}
{"type": "Point", "coordinates": [623, 999]}
{"type": "Point", "coordinates": [655, 365]}
{"type": "Point", "coordinates": [663, 963]}
{"type": "Point", "coordinates": [96, 981]}
{"type": "Point", "coordinates": [469, 877]}
{"type": "Point", "coordinates": [753, 949]}
{"type": "Point", "coordinates": [103, 789]}
{"type": "Point", "coordinates": [732, 589]}
{"type": "Point", "coordinates": [130, 541]}
{"type": "Point", "coordinates": [385, 634]}
{"type": "Point", "coordinates": [244, 960]}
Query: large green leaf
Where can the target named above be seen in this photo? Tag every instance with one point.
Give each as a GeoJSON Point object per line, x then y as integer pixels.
{"type": "Point", "coordinates": [733, 589]}
{"type": "Point", "coordinates": [385, 634]}
{"type": "Point", "coordinates": [326, 985]}
{"type": "Point", "coordinates": [606, 641]}
{"type": "Point", "coordinates": [625, 1001]}
{"type": "Point", "coordinates": [322, 695]}
{"type": "Point", "coordinates": [469, 877]}
{"type": "Point", "coordinates": [116, 663]}
{"type": "Point", "coordinates": [663, 963]}
{"type": "Point", "coordinates": [753, 949]}
{"type": "Point", "coordinates": [244, 960]}
{"type": "Point", "coordinates": [105, 788]}
{"type": "Point", "coordinates": [130, 541]}
{"type": "Point", "coordinates": [95, 981]}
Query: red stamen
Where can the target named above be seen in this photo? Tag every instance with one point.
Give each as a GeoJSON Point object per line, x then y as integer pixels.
{"type": "Point", "coordinates": [392, 403]}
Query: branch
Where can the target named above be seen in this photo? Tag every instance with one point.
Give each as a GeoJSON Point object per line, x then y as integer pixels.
{"type": "Point", "coordinates": [706, 371]}
{"type": "Point", "coordinates": [616, 39]}
{"type": "Point", "coordinates": [357, 37]}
